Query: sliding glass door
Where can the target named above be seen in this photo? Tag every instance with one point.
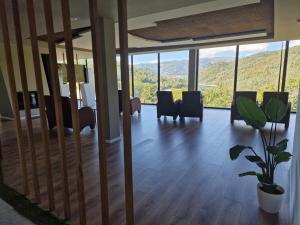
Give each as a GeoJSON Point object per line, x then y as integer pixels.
{"type": "Point", "coordinates": [259, 67]}
{"type": "Point", "coordinates": [216, 75]}
{"type": "Point", "coordinates": [293, 73]}
{"type": "Point", "coordinates": [174, 72]}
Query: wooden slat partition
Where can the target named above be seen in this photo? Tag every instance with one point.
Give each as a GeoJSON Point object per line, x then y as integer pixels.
{"type": "Point", "coordinates": [41, 100]}
{"type": "Point", "coordinates": [57, 102]}
{"type": "Point", "coordinates": [1, 158]}
{"type": "Point", "coordinates": [123, 36]}
{"type": "Point", "coordinates": [14, 100]}
{"type": "Point", "coordinates": [98, 73]}
{"type": "Point", "coordinates": [74, 107]}
{"type": "Point", "coordinates": [23, 75]}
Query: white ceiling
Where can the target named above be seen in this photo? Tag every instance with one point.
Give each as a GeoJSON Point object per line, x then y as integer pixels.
{"type": "Point", "coordinates": [143, 13]}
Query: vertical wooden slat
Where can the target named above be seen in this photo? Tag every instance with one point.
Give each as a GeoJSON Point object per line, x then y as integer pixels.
{"type": "Point", "coordinates": [236, 69]}
{"type": "Point", "coordinates": [74, 107]}
{"type": "Point", "coordinates": [13, 94]}
{"type": "Point", "coordinates": [57, 103]}
{"type": "Point", "coordinates": [1, 158]}
{"type": "Point", "coordinates": [132, 76]}
{"type": "Point", "coordinates": [158, 71]}
{"type": "Point", "coordinates": [123, 36]}
{"type": "Point", "coordinates": [18, 33]}
{"type": "Point", "coordinates": [98, 73]}
{"type": "Point", "coordinates": [41, 100]}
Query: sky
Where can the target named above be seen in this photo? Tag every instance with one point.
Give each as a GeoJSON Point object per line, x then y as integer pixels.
{"type": "Point", "coordinates": [228, 51]}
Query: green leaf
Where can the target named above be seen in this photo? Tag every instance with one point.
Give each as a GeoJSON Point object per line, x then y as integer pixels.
{"type": "Point", "coordinates": [283, 157]}
{"type": "Point", "coordinates": [256, 159]}
{"type": "Point", "coordinates": [259, 176]}
{"type": "Point", "coordinates": [274, 150]}
{"type": "Point", "coordinates": [251, 113]}
{"type": "Point", "coordinates": [282, 145]}
{"type": "Point", "coordinates": [236, 151]}
{"type": "Point", "coordinates": [275, 110]}
{"type": "Point", "coordinates": [250, 173]}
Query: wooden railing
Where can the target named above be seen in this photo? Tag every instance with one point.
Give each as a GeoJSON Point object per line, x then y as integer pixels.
{"type": "Point", "coordinates": [99, 76]}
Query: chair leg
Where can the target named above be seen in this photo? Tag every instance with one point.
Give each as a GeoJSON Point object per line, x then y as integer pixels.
{"type": "Point", "coordinates": [286, 126]}
{"type": "Point", "coordinates": [174, 118]}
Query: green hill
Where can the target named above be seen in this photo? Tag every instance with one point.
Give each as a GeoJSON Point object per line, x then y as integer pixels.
{"type": "Point", "coordinates": [257, 72]}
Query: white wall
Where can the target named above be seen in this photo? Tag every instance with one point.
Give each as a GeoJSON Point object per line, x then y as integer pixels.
{"type": "Point", "coordinates": [295, 173]}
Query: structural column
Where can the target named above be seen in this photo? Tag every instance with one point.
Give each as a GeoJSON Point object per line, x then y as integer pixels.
{"type": "Point", "coordinates": [193, 61]}
{"type": "Point", "coordinates": [105, 27]}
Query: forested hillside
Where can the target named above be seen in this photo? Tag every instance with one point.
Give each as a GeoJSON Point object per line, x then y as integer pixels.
{"type": "Point", "coordinates": [257, 72]}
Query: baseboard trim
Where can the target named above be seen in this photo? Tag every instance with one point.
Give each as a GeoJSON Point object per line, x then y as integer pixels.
{"type": "Point", "coordinates": [111, 141]}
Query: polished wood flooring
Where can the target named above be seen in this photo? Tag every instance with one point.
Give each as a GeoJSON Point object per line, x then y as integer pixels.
{"type": "Point", "coordinates": [182, 172]}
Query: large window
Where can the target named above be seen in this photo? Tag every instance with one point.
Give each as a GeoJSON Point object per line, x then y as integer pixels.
{"type": "Point", "coordinates": [145, 77]}
{"type": "Point", "coordinates": [259, 66]}
{"type": "Point", "coordinates": [174, 72]}
{"type": "Point", "coordinates": [293, 73]}
{"type": "Point", "coordinates": [119, 74]}
{"type": "Point", "coordinates": [216, 75]}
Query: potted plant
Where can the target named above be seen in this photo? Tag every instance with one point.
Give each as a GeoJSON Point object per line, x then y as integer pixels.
{"type": "Point", "coordinates": [270, 194]}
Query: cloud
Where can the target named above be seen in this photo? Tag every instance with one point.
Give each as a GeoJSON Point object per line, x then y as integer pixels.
{"type": "Point", "coordinates": [214, 52]}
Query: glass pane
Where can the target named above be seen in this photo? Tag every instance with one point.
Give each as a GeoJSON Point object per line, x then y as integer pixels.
{"type": "Point", "coordinates": [293, 73]}
{"type": "Point", "coordinates": [216, 75]}
{"type": "Point", "coordinates": [174, 72]}
{"type": "Point", "coordinates": [119, 74]}
{"type": "Point", "coordinates": [259, 66]}
{"type": "Point", "coordinates": [145, 77]}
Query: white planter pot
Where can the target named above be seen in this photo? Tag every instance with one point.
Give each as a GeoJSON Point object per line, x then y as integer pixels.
{"type": "Point", "coordinates": [270, 203]}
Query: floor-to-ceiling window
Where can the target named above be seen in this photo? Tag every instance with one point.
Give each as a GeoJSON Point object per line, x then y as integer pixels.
{"type": "Point", "coordinates": [216, 75]}
{"type": "Point", "coordinates": [119, 74]}
{"type": "Point", "coordinates": [293, 73]}
{"type": "Point", "coordinates": [174, 72]}
{"type": "Point", "coordinates": [259, 66]}
{"type": "Point", "coordinates": [145, 77]}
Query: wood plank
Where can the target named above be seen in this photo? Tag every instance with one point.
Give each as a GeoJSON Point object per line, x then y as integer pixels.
{"type": "Point", "coordinates": [58, 107]}
{"type": "Point", "coordinates": [41, 100]}
{"type": "Point", "coordinates": [123, 37]}
{"type": "Point", "coordinates": [98, 76]}
{"type": "Point", "coordinates": [74, 108]}
{"type": "Point", "coordinates": [192, 155]}
{"type": "Point", "coordinates": [22, 67]}
{"type": "Point", "coordinates": [13, 94]}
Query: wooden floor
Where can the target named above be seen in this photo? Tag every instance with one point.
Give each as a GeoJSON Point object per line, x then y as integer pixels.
{"type": "Point", "coordinates": [182, 172]}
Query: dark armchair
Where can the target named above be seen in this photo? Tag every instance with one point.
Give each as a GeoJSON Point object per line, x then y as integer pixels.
{"type": "Point", "coordinates": [191, 105]}
{"type": "Point", "coordinates": [86, 114]}
{"type": "Point", "coordinates": [234, 111]}
{"type": "Point", "coordinates": [284, 97]}
{"type": "Point", "coordinates": [166, 105]}
{"type": "Point", "coordinates": [135, 104]}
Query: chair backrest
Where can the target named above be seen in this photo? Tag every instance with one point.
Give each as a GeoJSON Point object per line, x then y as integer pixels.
{"type": "Point", "coordinates": [283, 96]}
{"type": "Point", "coordinates": [88, 95]}
{"type": "Point", "coordinates": [66, 109]}
{"type": "Point", "coordinates": [249, 94]}
{"type": "Point", "coordinates": [165, 97]}
{"type": "Point", "coordinates": [192, 98]}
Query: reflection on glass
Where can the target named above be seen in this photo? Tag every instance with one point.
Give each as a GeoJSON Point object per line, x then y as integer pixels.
{"type": "Point", "coordinates": [293, 73]}
{"type": "Point", "coordinates": [259, 66]}
{"type": "Point", "coordinates": [174, 72]}
{"type": "Point", "coordinates": [216, 75]}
